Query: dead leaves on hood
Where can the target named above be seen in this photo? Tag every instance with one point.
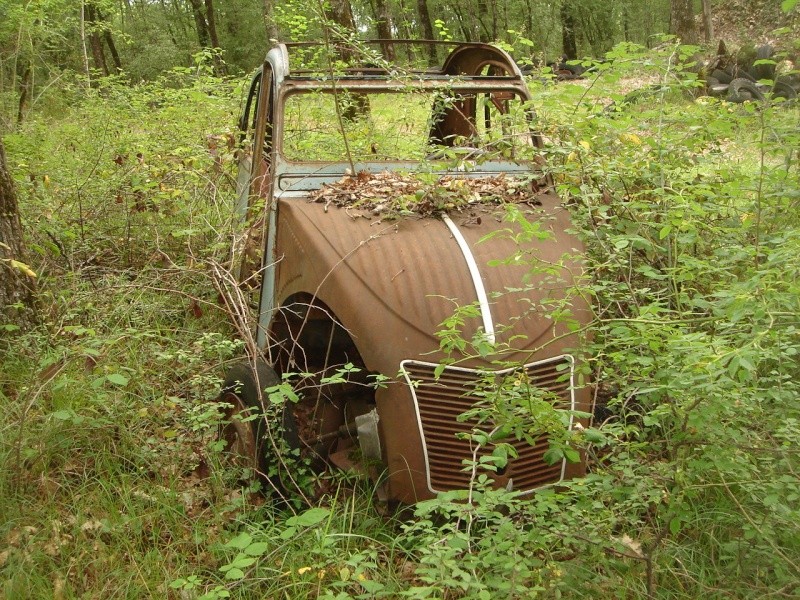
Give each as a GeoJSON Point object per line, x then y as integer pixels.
{"type": "Point", "coordinates": [392, 194]}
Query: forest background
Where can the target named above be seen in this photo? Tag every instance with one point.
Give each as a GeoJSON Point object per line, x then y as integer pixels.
{"type": "Point", "coordinates": [115, 118]}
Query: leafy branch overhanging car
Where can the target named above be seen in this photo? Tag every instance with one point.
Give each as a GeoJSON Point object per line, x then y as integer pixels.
{"type": "Point", "coordinates": [380, 203]}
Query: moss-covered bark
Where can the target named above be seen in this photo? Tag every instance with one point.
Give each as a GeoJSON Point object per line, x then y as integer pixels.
{"type": "Point", "coordinates": [17, 283]}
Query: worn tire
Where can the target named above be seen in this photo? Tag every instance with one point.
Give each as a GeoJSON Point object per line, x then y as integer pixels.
{"type": "Point", "coordinates": [251, 443]}
{"type": "Point", "coordinates": [742, 90]}
{"type": "Point", "coordinates": [722, 76]}
{"type": "Point", "coordinates": [784, 91]}
{"type": "Point", "coordinates": [763, 71]}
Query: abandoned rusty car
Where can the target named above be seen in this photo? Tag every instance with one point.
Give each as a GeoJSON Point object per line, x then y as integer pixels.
{"type": "Point", "coordinates": [409, 261]}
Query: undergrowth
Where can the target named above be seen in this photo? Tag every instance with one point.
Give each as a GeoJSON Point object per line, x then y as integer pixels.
{"type": "Point", "coordinates": [111, 483]}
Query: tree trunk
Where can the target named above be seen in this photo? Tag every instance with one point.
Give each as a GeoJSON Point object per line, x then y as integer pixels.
{"type": "Point", "coordinates": [200, 24]}
{"type": "Point", "coordinates": [97, 54]}
{"type": "Point", "coordinates": [467, 28]}
{"type": "Point", "coordinates": [24, 93]}
{"type": "Point", "coordinates": [169, 23]}
{"type": "Point", "coordinates": [269, 20]}
{"type": "Point", "coordinates": [341, 13]}
{"type": "Point", "coordinates": [495, 14]}
{"type": "Point", "coordinates": [427, 29]}
{"type": "Point", "coordinates": [708, 25]}
{"type": "Point", "coordinates": [401, 20]}
{"type": "Point", "coordinates": [528, 19]}
{"type": "Point", "coordinates": [95, 43]}
{"type": "Point", "coordinates": [484, 31]}
{"type": "Point", "coordinates": [383, 24]}
{"type": "Point", "coordinates": [596, 26]}
{"type": "Point", "coordinates": [17, 282]}
{"type": "Point", "coordinates": [626, 23]}
{"type": "Point", "coordinates": [83, 45]}
{"type": "Point", "coordinates": [211, 23]}
{"type": "Point", "coordinates": [568, 39]}
{"type": "Point", "coordinates": [112, 47]}
{"type": "Point", "coordinates": [681, 21]}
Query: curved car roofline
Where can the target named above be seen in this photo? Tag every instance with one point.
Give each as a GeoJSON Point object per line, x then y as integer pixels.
{"type": "Point", "coordinates": [465, 59]}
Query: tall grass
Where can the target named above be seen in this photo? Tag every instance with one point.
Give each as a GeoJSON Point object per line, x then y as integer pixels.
{"type": "Point", "coordinates": [111, 484]}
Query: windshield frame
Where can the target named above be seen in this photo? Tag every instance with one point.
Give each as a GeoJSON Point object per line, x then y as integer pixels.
{"type": "Point", "coordinates": [449, 84]}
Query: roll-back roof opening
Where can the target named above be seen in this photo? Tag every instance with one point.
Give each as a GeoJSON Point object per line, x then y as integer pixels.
{"type": "Point", "coordinates": [360, 59]}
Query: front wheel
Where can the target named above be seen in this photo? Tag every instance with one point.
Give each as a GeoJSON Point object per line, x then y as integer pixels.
{"type": "Point", "coordinates": [272, 435]}
{"type": "Point", "coordinates": [253, 437]}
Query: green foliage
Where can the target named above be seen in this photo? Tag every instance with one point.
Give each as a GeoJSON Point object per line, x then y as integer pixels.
{"type": "Point", "coordinates": [688, 209]}
{"type": "Point", "coordinates": [109, 410]}
{"type": "Point", "coordinates": [693, 259]}
{"type": "Point", "coordinates": [103, 181]}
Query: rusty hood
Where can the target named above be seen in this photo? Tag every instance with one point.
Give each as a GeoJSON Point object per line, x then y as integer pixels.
{"type": "Point", "coordinates": [393, 282]}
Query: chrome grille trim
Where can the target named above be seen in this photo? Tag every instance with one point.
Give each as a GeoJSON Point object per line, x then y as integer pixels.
{"type": "Point", "coordinates": [437, 403]}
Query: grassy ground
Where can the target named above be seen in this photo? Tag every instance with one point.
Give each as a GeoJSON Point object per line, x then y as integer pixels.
{"type": "Point", "coordinates": [111, 484]}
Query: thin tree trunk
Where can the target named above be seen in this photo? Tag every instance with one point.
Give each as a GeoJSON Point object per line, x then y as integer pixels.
{"type": "Point", "coordinates": [401, 20]}
{"type": "Point", "coordinates": [123, 13]}
{"type": "Point", "coordinates": [427, 29]}
{"type": "Point", "coordinates": [200, 24]}
{"type": "Point", "coordinates": [169, 25]}
{"type": "Point", "coordinates": [626, 23]}
{"type": "Point", "coordinates": [708, 25]}
{"type": "Point", "coordinates": [269, 20]}
{"type": "Point", "coordinates": [383, 24]}
{"type": "Point", "coordinates": [95, 42]}
{"type": "Point", "coordinates": [466, 30]}
{"type": "Point", "coordinates": [83, 44]}
{"type": "Point", "coordinates": [17, 282]}
{"type": "Point", "coordinates": [484, 32]}
{"type": "Point", "coordinates": [112, 47]}
{"type": "Point", "coordinates": [341, 13]}
{"type": "Point", "coordinates": [568, 38]}
{"type": "Point", "coordinates": [179, 9]}
{"type": "Point", "coordinates": [211, 23]}
{"type": "Point", "coordinates": [24, 93]}
{"type": "Point", "coordinates": [528, 19]}
{"type": "Point", "coordinates": [98, 55]}
{"type": "Point", "coordinates": [681, 21]}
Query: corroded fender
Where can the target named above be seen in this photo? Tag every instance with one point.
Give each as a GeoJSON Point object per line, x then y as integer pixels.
{"type": "Point", "coordinates": [391, 283]}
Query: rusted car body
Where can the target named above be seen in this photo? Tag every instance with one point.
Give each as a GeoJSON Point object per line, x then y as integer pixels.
{"type": "Point", "coordinates": [339, 286]}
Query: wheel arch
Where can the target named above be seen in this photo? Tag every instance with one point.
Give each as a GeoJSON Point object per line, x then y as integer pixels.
{"type": "Point", "coordinates": [306, 334]}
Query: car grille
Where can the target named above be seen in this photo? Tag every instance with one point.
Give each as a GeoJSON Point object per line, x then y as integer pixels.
{"type": "Point", "coordinates": [440, 401]}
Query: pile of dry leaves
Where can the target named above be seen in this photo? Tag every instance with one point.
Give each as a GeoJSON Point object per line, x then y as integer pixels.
{"type": "Point", "coordinates": [395, 194]}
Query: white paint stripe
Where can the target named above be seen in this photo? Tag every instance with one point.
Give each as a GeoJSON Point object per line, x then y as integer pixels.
{"type": "Point", "coordinates": [480, 291]}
